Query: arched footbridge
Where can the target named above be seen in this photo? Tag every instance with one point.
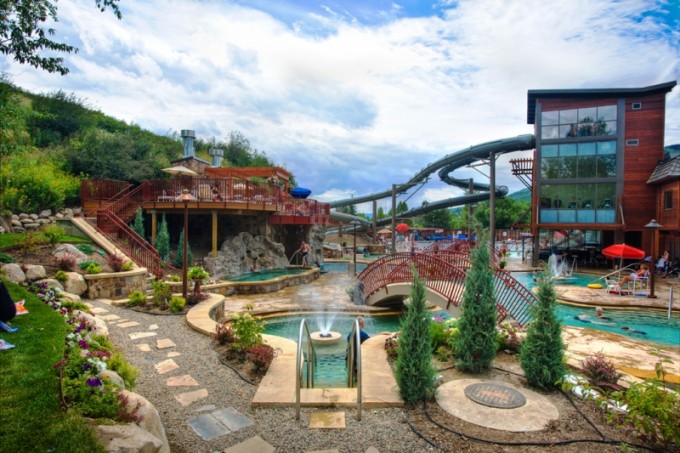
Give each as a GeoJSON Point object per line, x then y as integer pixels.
{"type": "Point", "coordinates": [390, 278]}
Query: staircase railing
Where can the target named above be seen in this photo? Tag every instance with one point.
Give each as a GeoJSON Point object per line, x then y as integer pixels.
{"type": "Point", "coordinates": [354, 364]}
{"type": "Point", "coordinates": [300, 361]}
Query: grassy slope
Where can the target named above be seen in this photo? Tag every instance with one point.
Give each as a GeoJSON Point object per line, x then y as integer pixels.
{"type": "Point", "coordinates": [30, 414]}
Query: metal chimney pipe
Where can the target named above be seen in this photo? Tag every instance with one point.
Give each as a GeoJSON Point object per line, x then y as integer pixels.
{"type": "Point", "coordinates": [188, 137]}
{"type": "Point", "coordinates": [216, 154]}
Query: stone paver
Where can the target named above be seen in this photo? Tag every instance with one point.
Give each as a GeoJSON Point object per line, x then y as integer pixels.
{"type": "Point", "coordinates": [206, 408]}
{"type": "Point", "coordinates": [98, 310]}
{"type": "Point", "coordinates": [252, 445]}
{"type": "Point", "coordinates": [190, 397]}
{"type": "Point", "coordinates": [173, 354]}
{"type": "Point", "coordinates": [125, 325]}
{"type": "Point", "coordinates": [181, 381]}
{"type": "Point", "coordinates": [232, 419]}
{"type": "Point", "coordinates": [166, 366]}
{"type": "Point", "coordinates": [208, 427]}
{"type": "Point", "coordinates": [138, 335]}
{"type": "Point", "coordinates": [327, 420]}
{"type": "Point", "coordinates": [153, 327]}
{"type": "Point", "coordinates": [144, 347]}
{"type": "Point", "coordinates": [165, 343]}
{"type": "Point", "coordinates": [109, 318]}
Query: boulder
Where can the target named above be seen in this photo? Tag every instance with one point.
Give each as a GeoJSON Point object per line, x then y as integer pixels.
{"type": "Point", "coordinates": [52, 283]}
{"type": "Point", "coordinates": [15, 217]}
{"type": "Point", "coordinates": [75, 283]}
{"type": "Point", "coordinates": [99, 327]}
{"type": "Point", "coordinates": [112, 377]}
{"type": "Point", "coordinates": [14, 273]}
{"type": "Point", "coordinates": [33, 216]}
{"type": "Point", "coordinates": [23, 216]}
{"type": "Point", "coordinates": [16, 222]}
{"type": "Point", "coordinates": [34, 272]}
{"type": "Point", "coordinates": [149, 418]}
{"type": "Point", "coordinates": [18, 229]}
{"type": "Point", "coordinates": [69, 296]}
{"type": "Point", "coordinates": [243, 252]}
{"type": "Point", "coordinates": [45, 214]}
{"type": "Point", "coordinates": [127, 439]}
{"type": "Point", "coordinates": [31, 226]}
{"type": "Point", "coordinates": [70, 249]}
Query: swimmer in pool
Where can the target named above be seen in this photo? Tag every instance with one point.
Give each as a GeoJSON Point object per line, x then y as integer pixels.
{"type": "Point", "coordinates": [628, 329]}
{"type": "Point", "coordinates": [598, 312]}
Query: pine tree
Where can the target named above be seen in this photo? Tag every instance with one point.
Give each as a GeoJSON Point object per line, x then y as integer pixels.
{"type": "Point", "coordinates": [542, 353]}
{"type": "Point", "coordinates": [414, 371]}
{"type": "Point", "coordinates": [163, 240]}
{"type": "Point", "coordinates": [179, 256]}
{"type": "Point", "coordinates": [138, 224]}
{"type": "Point", "coordinates": [475, 346]}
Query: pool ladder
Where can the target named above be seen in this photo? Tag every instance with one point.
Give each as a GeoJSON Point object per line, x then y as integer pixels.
{"type": "Point", "coordinates": [306, 358]}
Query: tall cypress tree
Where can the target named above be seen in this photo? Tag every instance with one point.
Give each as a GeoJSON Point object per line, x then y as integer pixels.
{"type": "Point", "coordinates": [542, 352]}
{"type": "Point", "coordinates": [475, 345]}
{"type": "Point", "coordinates": [138, 224]}
{"type": "Point", "coordinates": [163, 240]}
{"type": "Point", "coordinates": [414, 371]}
{"type": "Point", "coordinates": [179, 256]}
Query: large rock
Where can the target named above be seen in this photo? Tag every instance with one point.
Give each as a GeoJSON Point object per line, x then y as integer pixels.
{"type": "Point", "coordinates": [75, 283]}
{"type": "Point", "coordinates": [14, 273]}
{"type": "Point", "coordinates": [69, 296]}
{"type": "Point", "coordinates": [52, 283]}
{"type": "Point", "coordinates": [34, 272]}
{"type": "Point", "coordinates": [99, 327]}
{"type": "Point", "coordinates": [70, 249]}
{"type": "Point", "coordinates": [244, 252]}
{"type": "Point", "coordinates": [127, 439]}
{"type": "Point", "coordinates": [112, 377]}
{"type": "Point", "coordinates": [45, 214]}
{"type": "Point", "coordinates": [149, 418]}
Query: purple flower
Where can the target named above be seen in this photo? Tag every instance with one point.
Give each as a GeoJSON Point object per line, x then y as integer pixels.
{"type": "Point", "coordinates": [94, 382]}
{"type": "Point", "coordinates": [83, 344]}
{"type": "Point", "coordinates": [86, 366]}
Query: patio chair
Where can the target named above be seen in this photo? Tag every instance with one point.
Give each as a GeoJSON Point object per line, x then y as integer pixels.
{"type": "Point", "coordinates": [639, 282]}
{"type": "Point", "coordinates": [614, 287]}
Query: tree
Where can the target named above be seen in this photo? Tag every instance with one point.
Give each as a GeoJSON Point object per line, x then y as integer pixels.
{"type": "Point", "coordinates": [508, 212]}
{"type": "Point", "coordinates": [542, 352]}
{"type": "Point", "coordinates": [138, 224]}
{"type": "Point", "coordinates": [351, 209]}
{"type": "Point", "coordinates": [475, 345]}
{"type": "Point", "coordinates": [414, 371]}
{"type": "Point", "coordinates": [440, 218]}
{"type": "Point", "coordinates": [163, 240]}
{"type": "Point", "coordinates": [179, 256]}
{"type": "Point", "coordinates": [23, 36]}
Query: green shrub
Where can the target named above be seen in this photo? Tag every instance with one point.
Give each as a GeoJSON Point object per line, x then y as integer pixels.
{"type": "Point", "coordinates": [54, 234]}
{"type": "Point", "coordinates": [136, 298]}
{"type": "Point", "coordinates": [163, 240]}
{"type": "Point", "coordinates": [71, 305]}
{"type": "Point", "coordinates": [542, 352]}
{"type": "Point", "coordinates": [6, 258]}
{"type": "Point", "coordinates": [93, 268]}
{"type": "Point", "coordinates": [61, 276]}
{"type": "Point", "coordinates": [127, 372]}
{"type": "Point", "coordinates": [31, 242]}
{"type": "Point", "coordinates": [413, 367]}
{"type": "Point", "coordinates": [442, 353]}
{"type": "Point", "coordinates": [437, 333]}
{"type": "Point", "coordinates": [84, 264]}
{"type": "Point", "coordinates": [174, 278]}
{"type": "Point", "coordinates": [179, 256]}
{"type": "Point", "coordinates": [85, 248]}
{"type": "Point", "coordinates": [475, 344]}
{"type": "Point", "coordinates": [224, 334]}
{"type": "Point", "coordinates": [177, 304]}
{"type": "Point", "coordinates": [392, 346]}
{"type": "Point", "coordinates": [161, 294]}
{"type": "Point", "coordinates": [115, 261]}
{"type": "Point", "coordinates": [248, 330]}
{"type": "Point", "coordinates": [127, 266]}
{"type": "Point", "coordinates": [138, 224]}
{"type": "Point", "coordinates": [261, 357]}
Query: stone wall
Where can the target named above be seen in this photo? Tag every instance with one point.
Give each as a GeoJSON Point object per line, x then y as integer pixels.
{"type": "Point", "coordinates": [116, 285]}
{"type": "Point", "coordinates": [22, 222]}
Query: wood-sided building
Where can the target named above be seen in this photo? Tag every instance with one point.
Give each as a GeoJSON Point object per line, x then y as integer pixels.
{"type": "Point", "coordinates": [596, 153]}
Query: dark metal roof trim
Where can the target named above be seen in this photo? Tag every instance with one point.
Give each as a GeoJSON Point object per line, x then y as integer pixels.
{"type": "Point", "coordinates": [532, 95]}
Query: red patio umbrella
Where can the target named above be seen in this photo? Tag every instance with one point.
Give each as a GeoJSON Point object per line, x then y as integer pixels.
{"type": "Point", "coordinates": [402, 227]}
{"type": "Point", "coordinates": [623, 251]}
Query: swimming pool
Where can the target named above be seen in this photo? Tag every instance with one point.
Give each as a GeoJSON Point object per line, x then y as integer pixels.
{"type": "Point", "coordinates": [341, 267]}
{"type": "Point", "coordinates": [527, 279]}
{"type": "Point", "coordinates": [260, 276]}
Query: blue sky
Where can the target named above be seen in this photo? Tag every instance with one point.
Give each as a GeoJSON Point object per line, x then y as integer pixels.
{"type": "Point", "coordinates": [354, 96]}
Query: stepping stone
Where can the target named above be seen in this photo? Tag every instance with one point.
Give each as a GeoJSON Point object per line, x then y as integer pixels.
{"type": "Point", "coordinates": [324, 451]}
{"type": "Point", "coordinates": [138, 335]}
{"type": "Point", "coordinates": [233, 419]}
{"type": "Point", "coordinates": [254, 444]}
{"type": "Point", "coordinates": [153, 327]}
{"type": "Point", "coordinates": [174, 354]}
{"type": "Point", "coordinates": [165, 343]}
{"type": "Point", "coordinates": [206, 408]}
{"type": "Point", "coordinates": [327, 420]}
{"type": "Point", "coordinates": [189, 397]}
{"type": "Point", "coordinates": [181, 381]}
{"type": "Point", "coordinates": [372, 450]}
{"type": "Point", "coordinates": [97, 310]}
{"type": "Point", "coordinates": [166, 366]}
{"type": "Point", "coordinates": [125, 325]}
{"type": "Point", "coordinates": [109, 317]}
{"type": "Point", "coordinates": [144, 347]}
{"type": "Point", "coordinates": [208, 427]}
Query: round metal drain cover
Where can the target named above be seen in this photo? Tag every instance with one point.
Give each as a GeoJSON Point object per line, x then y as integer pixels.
{"type": "Point", "coordinates": [495, 395]}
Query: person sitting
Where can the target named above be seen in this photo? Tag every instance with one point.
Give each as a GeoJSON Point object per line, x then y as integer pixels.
{"type": "Point", "coordinates": [8, 309]}
{"type": "Point", "coordinates": [217, 196]}
{"type": "Point", "coordinates": [664, 262]}
{"type": "Point", "coordinates": [637, 275]}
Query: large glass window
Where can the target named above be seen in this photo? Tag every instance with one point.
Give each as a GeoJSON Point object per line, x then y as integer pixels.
{"type": "Point", "coordinates": [582, 160]}
{"type": "Point", "coordinates": [583, 122]}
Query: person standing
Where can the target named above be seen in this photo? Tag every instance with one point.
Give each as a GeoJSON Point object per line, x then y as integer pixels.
{"type": "Point", "coordinates": [304, 252]}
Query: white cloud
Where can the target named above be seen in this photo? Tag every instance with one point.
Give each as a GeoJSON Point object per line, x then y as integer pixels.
{"type": "Point", "coordinates": [351, 107]}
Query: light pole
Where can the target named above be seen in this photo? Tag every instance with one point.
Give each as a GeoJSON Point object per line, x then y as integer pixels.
{"type": "Point", "coordinates": [654, 226]}
{"type": "Point", "coordinates": [185, 198]}
{"type": "Point", "coordinates": [354, 248]}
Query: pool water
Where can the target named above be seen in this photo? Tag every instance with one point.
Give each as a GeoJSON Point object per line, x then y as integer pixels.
{"type": "Point", "coordinates": [341, 267]}
{"type": "Point", "coordinates": [263, 275]}
{"type": "Point", "coordinates": [527, 279]}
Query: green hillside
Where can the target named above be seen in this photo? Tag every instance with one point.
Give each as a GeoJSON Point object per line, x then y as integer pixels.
{"type": "Point", "coordinates": [48, 142]}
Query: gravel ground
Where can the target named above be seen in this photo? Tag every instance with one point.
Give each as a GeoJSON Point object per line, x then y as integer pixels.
{"type": "Point", "coordinates": [384, 429]}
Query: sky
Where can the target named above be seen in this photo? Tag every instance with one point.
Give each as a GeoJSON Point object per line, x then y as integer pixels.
{"type": "Point", "coordinates": [354, 96]}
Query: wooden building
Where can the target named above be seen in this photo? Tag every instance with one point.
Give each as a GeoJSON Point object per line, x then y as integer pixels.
{"type": "Point", "coordinates": [599, 173]}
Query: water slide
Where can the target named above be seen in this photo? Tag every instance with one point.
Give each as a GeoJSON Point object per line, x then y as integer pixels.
{"type": "Point", "coordinates": [445, 166]}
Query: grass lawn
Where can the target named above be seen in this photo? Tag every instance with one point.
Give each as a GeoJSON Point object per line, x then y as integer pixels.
{"type": "Point", "coordinates": [13, 239]}
{"type": "Point", "coordinates": [30, 414]}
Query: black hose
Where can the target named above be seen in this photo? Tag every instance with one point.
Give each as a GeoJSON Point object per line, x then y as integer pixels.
{"type": "Point", "coordinates": [419, 434]}
{"type": "Point", "coordinates": [247, 381]}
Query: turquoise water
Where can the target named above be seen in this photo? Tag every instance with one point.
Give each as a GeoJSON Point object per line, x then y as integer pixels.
{"type": "Point", "coordinates": [527, 279]}
{"type": "Point", "coordinates": [341, 267]}
{"type": "Point", "coordinates": [263, 275]}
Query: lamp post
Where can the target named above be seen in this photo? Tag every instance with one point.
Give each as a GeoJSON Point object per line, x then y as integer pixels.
{"type": "Point", "coordinates": [354, 248]}
{"type": "Point", "coordinates": [185, 198]}
{"type": "Point", "coordinates": [654, 226]}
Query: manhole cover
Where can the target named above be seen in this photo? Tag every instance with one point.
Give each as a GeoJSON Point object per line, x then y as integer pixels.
{"type": "Point", "coordinates": [495, 395]}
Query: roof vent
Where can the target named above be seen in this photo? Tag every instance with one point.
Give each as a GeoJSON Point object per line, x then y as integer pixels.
{"type": "Point", "coordinates": [637, 105]}
{"type": "Point", "coordinates": [216, 154]}
{"type": "Point", "coordinates": [188, 137]}
{"type": "Point", "coordinates": [632, 142]}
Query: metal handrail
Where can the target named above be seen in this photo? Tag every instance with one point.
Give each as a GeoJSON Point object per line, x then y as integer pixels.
{"type": "Point", "coordinates": [354, 356]}
{"type": "Point", "coordinates": [311, 363]}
